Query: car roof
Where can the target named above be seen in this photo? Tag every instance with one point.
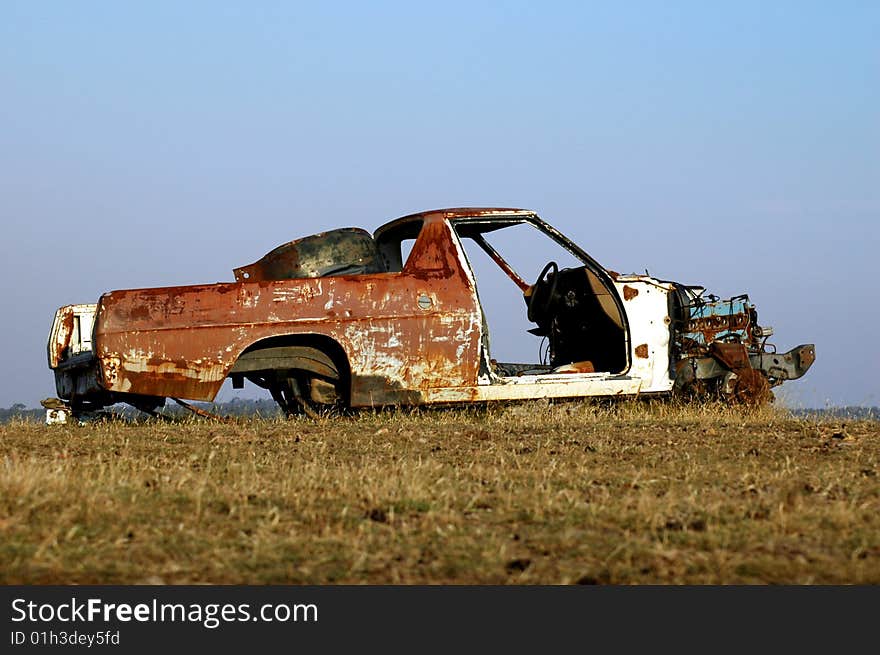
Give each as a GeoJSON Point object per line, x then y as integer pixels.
{"type": "Point", "coordinates": [457, 213]}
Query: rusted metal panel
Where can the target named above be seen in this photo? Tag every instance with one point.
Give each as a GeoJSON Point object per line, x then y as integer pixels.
{"type": "Point", "coordinates": [733, 355]}
{"type": "Point", "coordinates": [183, 341]}
{"type": "Point", "coordinates": [71, 333]}
{"type": "Point", "coordinates": [59, 338]}
{"type": "Point", "coordinates": [806, 356]}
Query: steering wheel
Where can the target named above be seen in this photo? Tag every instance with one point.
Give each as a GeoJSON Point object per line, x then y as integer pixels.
{"type": "Point", "coordinates": [545, 285]}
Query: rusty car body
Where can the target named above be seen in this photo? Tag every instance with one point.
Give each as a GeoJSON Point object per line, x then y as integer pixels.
{"type": "Point", "coordinates": [344, 318]}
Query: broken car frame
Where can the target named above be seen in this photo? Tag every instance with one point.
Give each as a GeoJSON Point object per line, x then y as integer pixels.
{"type": "Point", "coordinates": [342, 319]}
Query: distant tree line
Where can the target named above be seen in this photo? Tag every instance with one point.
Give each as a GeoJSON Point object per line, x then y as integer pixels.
{"type": "Point", "coordinates": [236, 407]}
{"type": "Point", "coordinates": [20, 412]}
{"type": "Point", "coordinates": [853, 413]}
{"type": "Point", "coordinates": [268, 409]}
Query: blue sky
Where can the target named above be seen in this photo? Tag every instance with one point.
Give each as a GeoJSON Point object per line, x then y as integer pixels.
{"type": "Point", "coordinates": [736, 145]}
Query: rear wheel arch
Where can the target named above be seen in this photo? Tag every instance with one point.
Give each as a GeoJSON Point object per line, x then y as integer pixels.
{"type": "Point", "coordinates": [317, 355]}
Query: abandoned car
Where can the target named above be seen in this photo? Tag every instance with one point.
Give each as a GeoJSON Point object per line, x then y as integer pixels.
{"type": "Point", "coordinates": [346, 318]}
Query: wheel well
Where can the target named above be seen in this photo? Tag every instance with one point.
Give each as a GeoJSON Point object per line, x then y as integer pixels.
{"type": "Point", "coordinates": [297, 347]}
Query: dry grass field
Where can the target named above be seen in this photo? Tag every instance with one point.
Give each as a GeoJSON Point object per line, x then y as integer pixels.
{"type": "Point", "coordinates": [635, 492]}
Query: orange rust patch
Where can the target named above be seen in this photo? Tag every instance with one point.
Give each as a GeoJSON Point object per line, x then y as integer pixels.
{"type": "Point", "coordinates": [642, 351]}
{"type": "Point", "coordinates": [629, 292]}
{"type": "Point", "coordinates": [576, 367]}
{"type": "Point", "coordinates": [62, 339]}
